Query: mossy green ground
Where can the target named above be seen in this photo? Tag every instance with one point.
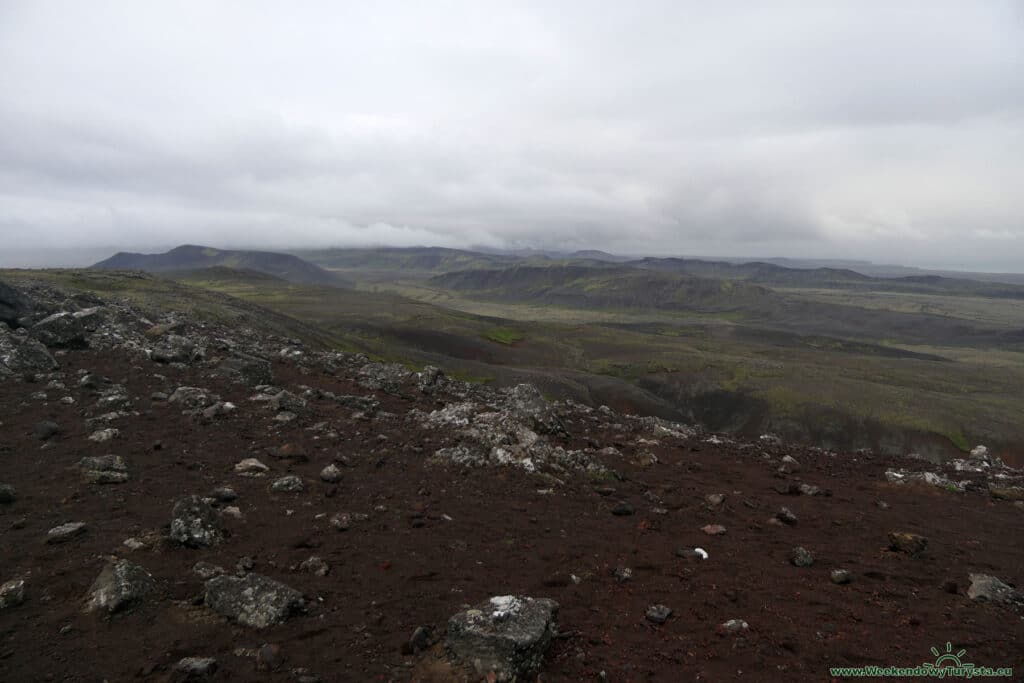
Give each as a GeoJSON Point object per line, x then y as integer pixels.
{"type": "Point", "coordinates": [972, 396]}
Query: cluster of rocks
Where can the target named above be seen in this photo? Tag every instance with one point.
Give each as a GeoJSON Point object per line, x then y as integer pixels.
{"type": "Point", "coordinates": [517, 427]}
{"type": "Point", "coordinates": [980, 472]}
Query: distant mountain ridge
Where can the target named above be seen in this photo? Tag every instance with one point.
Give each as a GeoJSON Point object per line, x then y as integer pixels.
{"type": "Point", "coordinates": [606, 285]}
{"type": "Point", "coordinates": [755, 271]}
{"type": "Point", "coordinates": [427, 259]}
{"type": "Point", "coordinates": [190, 257]}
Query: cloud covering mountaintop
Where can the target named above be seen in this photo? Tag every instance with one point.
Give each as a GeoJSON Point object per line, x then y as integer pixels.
{"type": "Point", "coordinates": [891, 132]}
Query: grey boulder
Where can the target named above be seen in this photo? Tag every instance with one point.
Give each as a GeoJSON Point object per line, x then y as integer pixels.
{"type": "Point", "coordinates": [504, 638]}
{"type": "Point", "coordinates": [13, 305]}
{"type": "Point", "coordinates": [21, 355]}
{"type": "Point", "coordinates": [120, 584]}
{"type": "Point", "coordinates": [988, 588]}
{"type": "Point", "coordinates": [252, 600]}
{"type": "Point", "coordinates": [194, 523]}
{"type": "Point", "coordinates": [67, 329]}
{"type": "Point", "coordinates": [247, 369]}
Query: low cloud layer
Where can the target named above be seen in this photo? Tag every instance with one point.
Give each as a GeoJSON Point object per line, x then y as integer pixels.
{"type": "Point", "coordinates": [891, 132]}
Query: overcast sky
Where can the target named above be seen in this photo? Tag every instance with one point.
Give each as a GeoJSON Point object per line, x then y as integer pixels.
{"type": "Point", "coordinates": [891, 131]}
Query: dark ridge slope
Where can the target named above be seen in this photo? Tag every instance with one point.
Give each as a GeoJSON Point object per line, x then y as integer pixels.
{"type": "Point", "coordinates": [605, 286]}
{"type": "Point", "coordinates": [192, 257]}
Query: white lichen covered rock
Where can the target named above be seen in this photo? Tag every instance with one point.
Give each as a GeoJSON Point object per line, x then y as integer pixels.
{"type": "Point", "coordinates": [504, 638]}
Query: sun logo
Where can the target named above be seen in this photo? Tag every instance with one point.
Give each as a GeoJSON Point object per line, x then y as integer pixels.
{"type": "Point", "coordinates": [945, 660]}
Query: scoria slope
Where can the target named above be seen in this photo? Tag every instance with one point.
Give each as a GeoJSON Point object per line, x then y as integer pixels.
{"type": "Point", "coordinates": [184, 500]}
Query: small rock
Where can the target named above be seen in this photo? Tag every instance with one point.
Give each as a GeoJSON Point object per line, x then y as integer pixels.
{"type": "Point", "coordinates": [104, 435]}
{"type": "Point", "coordinates": [217, 409]}
{"type": "Point", "coordinates": [331, 474]}
{"type": "Point", "coordinates": [104, 469]}
{"type": "Point", "coordinates": [7, 494]}
{"type": "Point", "coordinates": [622, 574]}
{"type": "Point", "coordinates": [133, 543]}
{"type": "Point", "coordinates": [419, 640]}
{"type": "Point", "coordinates": [732, 627]}
{"type": "Point", "coordinates": [285, 401]}
{"type": "Point", "coordinates": [904, 542]}
{"type": "Point", "coordinates": [120, 584]}
{"type": "Point", "coordinates": [714, 499]}
{"type": "Point", "coordinates": [12, 593]}
{"type": "Point", "coordinates": [786, 516]}
{"type": "Point", "coordinates": [251, 467]}
{"type": "Point", "coordinates": [196, 667]}
{"type": "Point", "coordinates": [800, 557]}
{"type": "Point", "coordinates": [304, 675]}
{"type": "Point", "coordinates": [841, 576]}
{"type": "Point", "coordinates": [192, 398]}
{"type": "Point", "coordinates": [315, 565]}
{"type": "Point", "coordinates": [205, 570]}
{"type": "Point", "coordinates": [269, 657]}
{"type": "Point", "coordinates": [65, 532]}
{"type": "Point", "coordinates": [289, 451]}
{"type": "Point", "coordinates": [713, 529]}
{"type": "Point", "coordinates": [341, 521]}
{"type": "Point", "coordinates": [194, 523]}
{"type": "Point", "coordinates": [811, 490]}
{"type": "Point", "coordinates": [622, 509]}
{"type": "Point", "coordinates": [789, 465]}
{"type": "Point", "coordinates": [658, 614]}
{"type": "Point", "coordinates": [224, 494]}
{"type": "Point", "coordinates": [247, 369]}
{"type": "Point", "coordinates": [46, 430]}
{"type": "Point", "coordinates": [288, 484]}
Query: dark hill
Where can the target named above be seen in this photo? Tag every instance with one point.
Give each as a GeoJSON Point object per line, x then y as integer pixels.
{"type": "Point", "coordinates": [223, 274]}
{"type": "Point", "coordinates": [432, 259]}
{"type": "Point", "coordinates": [190, 257]}
{"type": "Point", "coordinates": [774, 275]}
{"type": "Point", "coordinates": [755, 271]}
{"type": "Point", "coordinates": [605, 286]}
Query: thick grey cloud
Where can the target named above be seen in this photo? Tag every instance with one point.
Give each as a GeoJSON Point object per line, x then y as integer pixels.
{"type": "Point", "coordinates": [889, 131]}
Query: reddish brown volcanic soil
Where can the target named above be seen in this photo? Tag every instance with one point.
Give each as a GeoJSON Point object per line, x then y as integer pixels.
{"type": "Point", "coordinates": [389, 575]}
